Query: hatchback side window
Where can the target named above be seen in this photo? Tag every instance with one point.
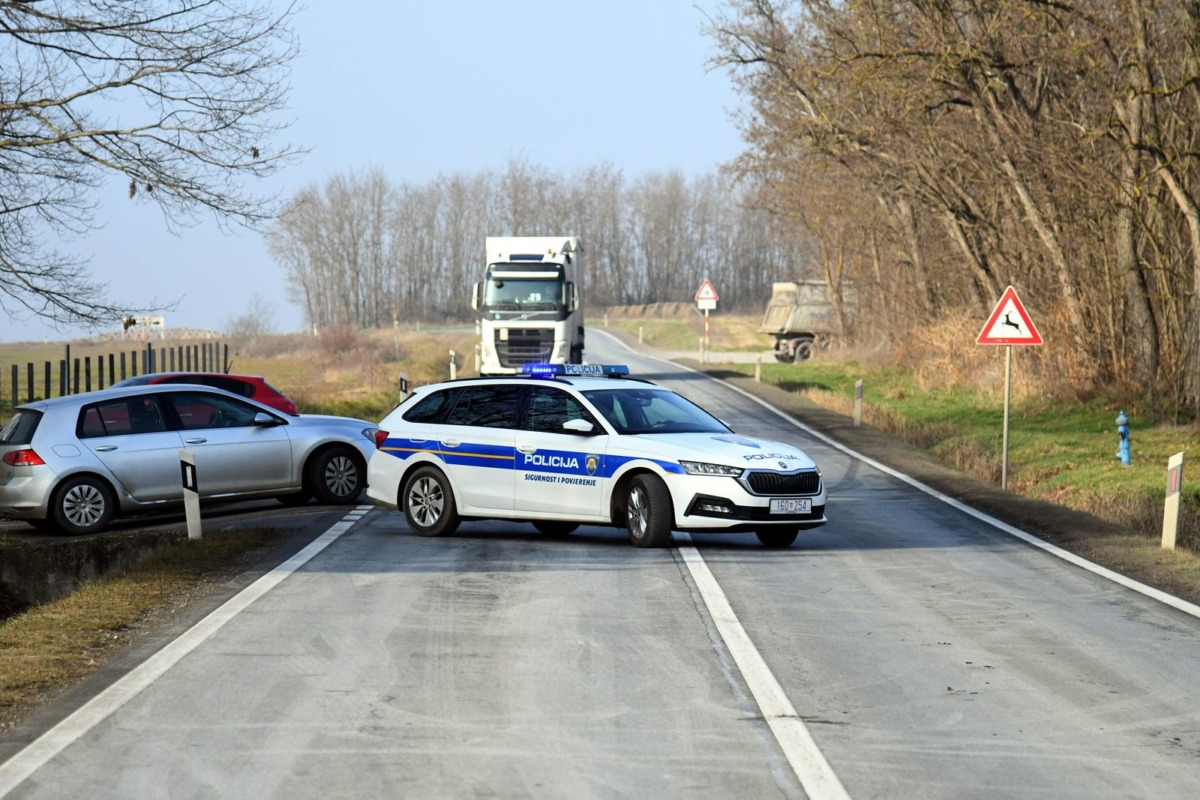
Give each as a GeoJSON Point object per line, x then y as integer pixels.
{"type": "Point", "coordinates": [197, 410]}
{"type": "Point", "coordinates": [120, 417]}
{"type": "Point", "coordinates": [487, 406]}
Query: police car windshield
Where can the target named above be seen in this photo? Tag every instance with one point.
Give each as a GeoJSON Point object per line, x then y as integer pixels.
{"type": "Point", "coordinates": [633, 411]}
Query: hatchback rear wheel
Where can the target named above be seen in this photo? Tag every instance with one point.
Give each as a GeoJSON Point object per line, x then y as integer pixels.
{"type": "Point", "coordinates": [83, 504]}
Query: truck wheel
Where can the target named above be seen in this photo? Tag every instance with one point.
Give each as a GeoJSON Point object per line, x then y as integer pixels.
{"type": "Point", "coordinates": [804, 349]}
{"type": "Point", "coordinates": [428, 503]}
{"type": "Point", "coordinates": [576, 355]}
{"type": "Point", "coordinates": [648, 512]}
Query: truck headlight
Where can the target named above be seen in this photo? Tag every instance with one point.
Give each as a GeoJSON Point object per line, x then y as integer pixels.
{"type": "Point", "coordinates": [704, 468]}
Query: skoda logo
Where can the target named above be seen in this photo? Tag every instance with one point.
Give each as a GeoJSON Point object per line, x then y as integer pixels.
{"type": "Point", "coordinates": [783, 465]}
{"type": "Point", "coordinates": [591, 463]}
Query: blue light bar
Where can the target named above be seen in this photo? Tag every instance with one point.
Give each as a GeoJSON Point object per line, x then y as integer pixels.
{"type": "Point", "coordinates": [577, 370]}
{"type": "Point", "coordinates": [542, 370]}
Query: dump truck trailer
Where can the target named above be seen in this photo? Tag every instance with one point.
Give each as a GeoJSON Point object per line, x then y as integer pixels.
{"type": "Point", "coordinates": [799, 319]}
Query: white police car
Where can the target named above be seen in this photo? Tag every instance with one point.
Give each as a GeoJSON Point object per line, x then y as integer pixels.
{"type": "Point", "coordinates": [573, 444]}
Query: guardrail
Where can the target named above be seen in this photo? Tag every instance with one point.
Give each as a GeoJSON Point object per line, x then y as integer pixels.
{"type": "Point", "coordinates": [74, 375]}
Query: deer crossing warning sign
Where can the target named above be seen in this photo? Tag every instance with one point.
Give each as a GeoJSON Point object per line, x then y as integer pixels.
{"type": "Point", "coordinates": [1009, 323]}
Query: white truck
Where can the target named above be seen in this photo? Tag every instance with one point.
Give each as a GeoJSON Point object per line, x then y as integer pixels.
{"type": "Point", "coordinates": [530, 303]}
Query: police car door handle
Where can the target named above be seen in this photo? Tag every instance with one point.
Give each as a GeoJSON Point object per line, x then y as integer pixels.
{"type": "Point", "coordinates": [451, 442]}
{"type": "Point", "coordinates": [199, 440]}
{"type": "Point", "coordinates": [527, 449]}
{"type": "Point", "coordinates": [106, 448]}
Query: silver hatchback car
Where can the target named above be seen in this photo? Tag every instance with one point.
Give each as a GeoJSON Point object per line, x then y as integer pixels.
{"type": "Point", "coordinates": [72, 463]}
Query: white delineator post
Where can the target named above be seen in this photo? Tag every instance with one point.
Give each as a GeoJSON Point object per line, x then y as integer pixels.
{"type": "Point", "coordinates": [1171, 509]}
{"type": "Point", "coordinates": [191, 494]}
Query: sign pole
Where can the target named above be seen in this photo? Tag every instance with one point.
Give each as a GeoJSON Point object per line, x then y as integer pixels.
{"type": "Point", "coordinates": [1007, 394]}
{"type": "Point", "coordinates": [706, 343]}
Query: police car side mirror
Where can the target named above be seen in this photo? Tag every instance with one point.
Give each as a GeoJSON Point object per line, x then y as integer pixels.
{"type": "Point", "coordinates": [581, 426]}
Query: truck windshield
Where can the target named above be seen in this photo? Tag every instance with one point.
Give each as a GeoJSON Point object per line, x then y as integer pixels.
{"type": "Point", "coordinates": [524, 294]}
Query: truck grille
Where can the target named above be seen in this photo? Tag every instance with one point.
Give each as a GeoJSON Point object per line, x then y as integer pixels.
{"type": "Point", "coordinates": [525, 346]}
{"type": "Point", "coordinates": [774, 483]}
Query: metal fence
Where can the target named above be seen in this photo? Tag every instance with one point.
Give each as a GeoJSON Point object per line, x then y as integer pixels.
{"type": "Point", "coordinates": [75, 375]}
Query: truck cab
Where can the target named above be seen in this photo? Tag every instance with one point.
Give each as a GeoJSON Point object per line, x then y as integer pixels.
{"type": "Point", "coordinates": [529, 302]}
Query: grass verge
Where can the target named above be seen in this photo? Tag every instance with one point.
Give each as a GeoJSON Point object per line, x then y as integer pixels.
{"type": "Point", "coordinates": [49, 648]}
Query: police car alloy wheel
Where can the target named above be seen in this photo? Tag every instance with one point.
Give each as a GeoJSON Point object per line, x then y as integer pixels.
{"type": "Point", "coordinates": [778, 537]}
{"type": "Point", "coordinates": [428, 503]}
{"type": "Point", "coordinates": [648, 512]}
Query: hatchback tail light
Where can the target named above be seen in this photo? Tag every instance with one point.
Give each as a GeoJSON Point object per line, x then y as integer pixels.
{"type": "Point", "coordinates": [22, 458]}
{"type": "Point", "coordinates": [380, 438]}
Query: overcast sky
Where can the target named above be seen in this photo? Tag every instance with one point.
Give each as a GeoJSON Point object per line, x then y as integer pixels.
{"type": "Point", "coordinates": [419, 89]}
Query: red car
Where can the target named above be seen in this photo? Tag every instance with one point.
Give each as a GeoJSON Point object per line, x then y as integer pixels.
{"type": "Point", "coordinates": [253, 386]}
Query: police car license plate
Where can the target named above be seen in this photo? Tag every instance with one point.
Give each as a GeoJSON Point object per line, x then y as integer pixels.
{"type": "Point", "coordinates": [791, 505]}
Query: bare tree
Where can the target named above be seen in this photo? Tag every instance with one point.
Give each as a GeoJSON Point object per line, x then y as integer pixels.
{"type": "Point", "coordinates": [257, 320]}
{"type": "Point", "coordinates": [175, 97]}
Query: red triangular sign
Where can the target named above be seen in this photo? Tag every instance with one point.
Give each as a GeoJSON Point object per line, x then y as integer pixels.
{"type": "Point", "coordinates": [706, 291]}
{"type": "Point", "coordinates": [1009, 323]}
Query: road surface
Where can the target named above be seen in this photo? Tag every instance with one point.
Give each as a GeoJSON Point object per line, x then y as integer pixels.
{"type": "Point", "coordinates": [906, 649]}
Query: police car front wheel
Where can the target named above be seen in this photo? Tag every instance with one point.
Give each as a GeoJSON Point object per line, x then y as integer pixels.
{"type": "Point", "coordinates": [648, 513]}
{"type": "Point", "coordinates": [428, 503]}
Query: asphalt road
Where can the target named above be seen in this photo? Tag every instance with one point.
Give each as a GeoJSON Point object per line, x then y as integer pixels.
{"type": "Point", "coordinates": [906, 649]}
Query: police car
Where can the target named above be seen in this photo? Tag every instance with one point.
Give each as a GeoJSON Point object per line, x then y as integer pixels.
{"type": "Point", "coordinates": [564, 445]}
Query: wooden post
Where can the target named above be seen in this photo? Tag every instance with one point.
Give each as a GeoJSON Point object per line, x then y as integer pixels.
{"type": "Point", "coordinates": [758, 368]}
{"type": "Point", "coordinates": [858, 389]}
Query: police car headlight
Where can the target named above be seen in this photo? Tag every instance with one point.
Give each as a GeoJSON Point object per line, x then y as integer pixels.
{"type": "Point", "coordinates": [702, 468]}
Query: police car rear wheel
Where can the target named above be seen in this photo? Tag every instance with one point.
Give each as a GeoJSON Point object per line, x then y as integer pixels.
{"type": "Point", "coordinates": [778, 537]}
{"type": "Point", "coordinates": [648, 512]}
{"type": "Point", "coordinates": [555, 528]}
{"type": "Point", "coordinates": [428, 503]}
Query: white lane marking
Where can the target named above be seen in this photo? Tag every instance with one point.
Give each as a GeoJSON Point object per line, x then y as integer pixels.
{"type": "Point", "coordinates": [814, 772]}
{"type": "Point", "coordinates": [14, 771]}
{"type": "Point", "coordinates": [1116, 577]}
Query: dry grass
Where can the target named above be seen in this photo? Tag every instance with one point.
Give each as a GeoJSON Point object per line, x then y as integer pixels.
{"type": "Point", "coordinates": [51, 647]}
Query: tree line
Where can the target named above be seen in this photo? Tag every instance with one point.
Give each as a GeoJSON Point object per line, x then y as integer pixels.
{"type": "Point", "coordinates": [362, 250]}
{"type": "Point", "coordinates": [936, 151]}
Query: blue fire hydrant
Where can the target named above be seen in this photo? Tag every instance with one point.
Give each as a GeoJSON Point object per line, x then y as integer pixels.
{"type": "Point", "coordinates": [1123, 432]}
